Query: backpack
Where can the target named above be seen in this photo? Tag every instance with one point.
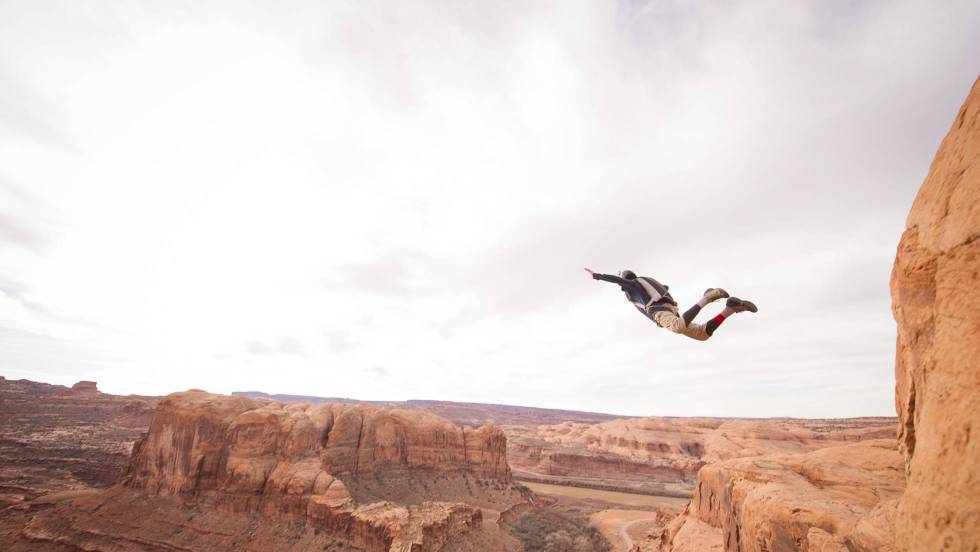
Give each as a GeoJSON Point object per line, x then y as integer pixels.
{"type": "Point", "coordinates": [658, 292]}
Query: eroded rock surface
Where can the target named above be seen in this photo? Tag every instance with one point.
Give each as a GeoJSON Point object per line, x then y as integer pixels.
{"type": "Point", "coordinates": [268, 476]}
{"type": "Point", "coordinates": [835, 498]}
{"type": "Point", "coordinates": [663, 455]}
{"type": "Point", "coordinates": [53, 438]}
{"type": "Point", "coordinates": [84, 388]}
{"type": "Point", "coordinates": [936, 302]}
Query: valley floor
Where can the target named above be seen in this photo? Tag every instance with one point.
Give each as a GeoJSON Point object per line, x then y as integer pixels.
{"type": "Point", "coordinates": [611, 497]}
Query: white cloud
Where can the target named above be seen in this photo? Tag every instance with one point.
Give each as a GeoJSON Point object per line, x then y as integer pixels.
{"type": "Point", "coordinates": [395, 201]}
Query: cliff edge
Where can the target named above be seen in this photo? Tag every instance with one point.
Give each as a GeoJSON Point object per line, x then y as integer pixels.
{"type": "Point", "coordinates": [936, 303]}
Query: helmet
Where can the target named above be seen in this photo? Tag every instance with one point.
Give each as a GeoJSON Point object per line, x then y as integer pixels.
{"type": "Point", "coordinates": [628, 274]}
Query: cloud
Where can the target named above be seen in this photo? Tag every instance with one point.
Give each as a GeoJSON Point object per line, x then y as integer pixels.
{"type": "Point", "coordinates": [21, 109]}
{"type": "Point", "coordinates": [389, 202]}
{"type": "Point", "coordinates": [16, 232]}
{"type": "Point", "coordinates": [283, 346]}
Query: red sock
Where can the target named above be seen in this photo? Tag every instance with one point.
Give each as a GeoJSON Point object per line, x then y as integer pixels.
{"type": "Point", "coordinates": [713, 324]}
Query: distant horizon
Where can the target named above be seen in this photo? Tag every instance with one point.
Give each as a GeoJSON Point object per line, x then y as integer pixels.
{"type": "Point", "coordinates": [396, 200]}
{"type": "Point", "coordinates": [419, 400]}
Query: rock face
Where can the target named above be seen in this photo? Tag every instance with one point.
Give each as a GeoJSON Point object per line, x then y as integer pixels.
{"type": "Point", "coordinates": [834, 499]}
{"type": "Point", "coordinates": [936, 302]}
{"type": "Point", "coordinates": [663, 455]}
{"type": "Point", "coordinates": [85, 388]}
{"type": "Point", "coordinates": [224, 473]}
{"type": "Point", "coordinates": [231, 473]}
{"type": "Point", "coordinates": [325, 462]}
{"type": "Point", "coordinates": [223, 447]}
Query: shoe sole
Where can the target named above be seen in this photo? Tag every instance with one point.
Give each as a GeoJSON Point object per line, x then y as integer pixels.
{"type": "Point", "coordinates": [736, 302]}
{"type": "Point", "coordinates": [724, 294]}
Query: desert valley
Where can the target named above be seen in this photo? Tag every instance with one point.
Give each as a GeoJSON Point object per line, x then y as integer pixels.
{"type": "Point", "coordinates": [375, 477]}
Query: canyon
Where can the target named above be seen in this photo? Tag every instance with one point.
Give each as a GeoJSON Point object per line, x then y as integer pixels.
{"type": "Point", "coordinates": [57, 438]}
{"type": "Point", "coordinates": [218, 472]}
{"type": "Point", "coordinates": [663, 455]}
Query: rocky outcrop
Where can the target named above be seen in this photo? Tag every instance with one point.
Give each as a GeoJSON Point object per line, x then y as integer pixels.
{"type": "Point", "coordinates": [85, 388]}
{"type": "Point", "coordinates": [936, 302]}
{"type": "Point", "coordinates": [354, 471]}
{"type": "Point", "coordinates": [208, 445]}
{"type": "Point", "coordinates": [229, 473]}
{"type": "Point", "coordinates": [833, 499]}
{"type": "Point", "coordinates": [663, 455]}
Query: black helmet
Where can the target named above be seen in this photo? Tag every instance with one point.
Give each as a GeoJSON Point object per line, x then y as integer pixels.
{"type": "Point", "coordinates": [628, 274]}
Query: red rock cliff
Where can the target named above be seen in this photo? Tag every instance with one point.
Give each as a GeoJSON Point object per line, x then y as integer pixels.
{"type": "Point", "coordinates": [936, 302]}
{"type": "Point", "coordinates": [302, 461]}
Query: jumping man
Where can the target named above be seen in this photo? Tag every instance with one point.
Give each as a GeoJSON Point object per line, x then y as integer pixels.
{"type": "Point", "coordinates": [653, 299]}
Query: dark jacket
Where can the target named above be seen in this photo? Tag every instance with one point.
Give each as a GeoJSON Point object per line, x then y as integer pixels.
{"type": "Point", "coordinates": [638, 295]}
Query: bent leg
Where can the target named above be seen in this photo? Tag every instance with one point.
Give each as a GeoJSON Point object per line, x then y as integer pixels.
{"type": "Point", "coordinates": [732, 306]}
{"type": "Point", "coordinates": [710, 295]}
{"type": "Point", "coordinates": [670, 321]}
{"type": "Point", "coordinates": [713, 324]}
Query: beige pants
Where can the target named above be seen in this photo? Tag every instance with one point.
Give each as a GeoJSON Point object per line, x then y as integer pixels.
{"type": "Point", "coordinates": [672, 321]}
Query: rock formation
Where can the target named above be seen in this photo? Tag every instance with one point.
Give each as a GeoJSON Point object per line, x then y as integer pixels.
{"type": "Point", "coordinates": [663, 455]}
{"type": "Point", "coordinates": [936, 302]}
{"type": "Point", "coordinates": [223, 447]}
{"type": "Point", "coordinates": [85, 388]}
{"type": "Point", "coordinates": [835, 498]}
{"type": "Point", "coordinates": [339, 476]}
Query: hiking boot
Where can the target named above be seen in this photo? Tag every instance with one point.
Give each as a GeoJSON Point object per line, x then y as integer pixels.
{"type": "Point", "coordinates": [714, 294]}
{"type": "Point", "coordinates": [741, 305]}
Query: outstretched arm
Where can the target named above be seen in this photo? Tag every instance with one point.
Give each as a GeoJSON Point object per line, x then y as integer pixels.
{"type": "Point", "coordinates": [607, 277]}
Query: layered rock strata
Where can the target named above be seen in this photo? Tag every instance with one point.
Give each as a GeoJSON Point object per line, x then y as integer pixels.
{"type": "Point", "coordinates": [663, 455]}
{"type": "Point", "coordinates": [834, 499]}
{"type": "Point", "coordinates": [248, 456]}
{"type": "Point", "coordinates": [54, 439]}
{"type": "Point", "coordinates": [936, 302]}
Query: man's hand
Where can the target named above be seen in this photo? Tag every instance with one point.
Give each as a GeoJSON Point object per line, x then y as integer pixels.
{"type": "Point", "coordinates": [589, 270]}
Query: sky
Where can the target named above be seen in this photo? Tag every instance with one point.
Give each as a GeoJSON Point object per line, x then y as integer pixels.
{"type": "Point", "coordinates": [389, 200]}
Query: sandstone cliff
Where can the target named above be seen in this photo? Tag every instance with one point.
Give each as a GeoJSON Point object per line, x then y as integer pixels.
{"type": "Point", "coordinates": [209, 446]}
{"type": "Point", "coordinates": [936, 302]}
{"type": "Point", "coordinates": [246, 455]}
{"type": "Point", "coordinates": [834, 499]}
{"type": "Point", "coordinates": [231, 473]}
{"type": "Point", "coordinates": [85, 388]}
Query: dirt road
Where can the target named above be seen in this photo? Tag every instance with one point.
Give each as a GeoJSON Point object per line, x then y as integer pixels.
{"type": "Point", "coordinates": [622, 528]}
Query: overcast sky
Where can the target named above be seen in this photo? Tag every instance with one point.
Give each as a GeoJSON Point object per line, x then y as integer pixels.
{"type": "Point", "coordinates": [391, 200]}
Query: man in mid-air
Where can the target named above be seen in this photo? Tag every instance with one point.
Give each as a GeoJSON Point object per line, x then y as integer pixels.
{"type": "Point", "coordinates": [653, 299]}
